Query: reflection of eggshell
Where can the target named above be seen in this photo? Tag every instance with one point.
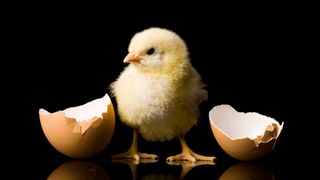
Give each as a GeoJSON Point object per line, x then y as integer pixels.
{"type": "Point", "coordinates": [244, 136]}
{"type": "Point", "coordinates": [78, 170]}
{"type": "Point", "coordinates": [246, 171]}
{"type": "Point", "coordinates": [81, 131]}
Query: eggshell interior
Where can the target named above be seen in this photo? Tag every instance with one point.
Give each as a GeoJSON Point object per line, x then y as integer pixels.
{"type": "Point", "coordinates": [244, 136]}
{"type": "Point", "coordinates": [81, 131]}
{"type": "Point", "coordinates": [89, 110]}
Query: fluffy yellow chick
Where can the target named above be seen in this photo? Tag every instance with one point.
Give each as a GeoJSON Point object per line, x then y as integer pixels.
{"type": "Point", "coordinates": [159, 92]}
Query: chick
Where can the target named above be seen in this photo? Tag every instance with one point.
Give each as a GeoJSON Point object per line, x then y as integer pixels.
{"type": "Point", "coordinates": [159, 92]}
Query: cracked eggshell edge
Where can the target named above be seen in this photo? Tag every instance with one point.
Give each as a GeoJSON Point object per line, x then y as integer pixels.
{"type": "Point", "coordinates": [78, 139]}
{"type": "Point", "coordinates": [245, 148]}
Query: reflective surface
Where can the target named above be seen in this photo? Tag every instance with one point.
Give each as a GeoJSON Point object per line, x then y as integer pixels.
{"type": "Point", "coordinates": [242, 171]}
{"type": "Point", "coordinates": [103, 169]}
{"type": "Point", "coordinates": [79, 170]}
{"type": "Point", "coordinates": [37, 159]}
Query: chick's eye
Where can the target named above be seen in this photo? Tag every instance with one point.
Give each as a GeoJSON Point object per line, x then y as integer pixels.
{"type": "Point", "coordinates": [150, 51]}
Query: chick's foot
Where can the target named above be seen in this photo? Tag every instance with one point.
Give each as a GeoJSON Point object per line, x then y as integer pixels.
{"type": "Point", "coordinates": [136, 156]}
{"type": "Point", "coordinates": [133, 154]}
{"type": "Point", "coordinates": [188, 155]}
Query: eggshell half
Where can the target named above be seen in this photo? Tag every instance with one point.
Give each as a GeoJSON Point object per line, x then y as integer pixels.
{"type": "Point", "coordinates": [244, 136]}
{"type": "Point", "coordinates": [81, 131]}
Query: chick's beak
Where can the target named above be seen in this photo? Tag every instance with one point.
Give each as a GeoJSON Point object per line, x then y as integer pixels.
{"type": "Point", "coordinates": [131, 58]}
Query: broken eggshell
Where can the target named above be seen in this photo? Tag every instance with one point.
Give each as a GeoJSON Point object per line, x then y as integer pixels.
{"type": "Point", "coordinates": [244, 136]}
{"type": "Point", "coordinates": [81, 131]}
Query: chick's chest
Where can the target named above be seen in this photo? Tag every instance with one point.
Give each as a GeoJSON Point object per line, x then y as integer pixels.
{"type": "Point", "coordinates": [151, 90]}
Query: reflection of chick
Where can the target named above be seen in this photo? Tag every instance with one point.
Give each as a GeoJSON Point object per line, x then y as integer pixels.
{"type": "Point", "coordinates": [158, 94]}
{"type": "Point", "coordinates": [159, 177]}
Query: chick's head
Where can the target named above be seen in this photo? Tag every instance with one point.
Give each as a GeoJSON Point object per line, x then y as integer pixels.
{"type": "Point", "coordinates": [157, 50]}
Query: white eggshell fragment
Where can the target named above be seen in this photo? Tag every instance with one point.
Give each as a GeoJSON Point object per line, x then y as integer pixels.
{"type": "Point", "coordinates": [81, 131]}
{"type": "Point", "coordinates": [244, 136]}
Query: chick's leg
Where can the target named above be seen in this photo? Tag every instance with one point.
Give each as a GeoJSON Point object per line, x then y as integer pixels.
{"type": "Point", "coordinates": [188, 155]}
{"type": "Point", "coordinates": [133, 153]}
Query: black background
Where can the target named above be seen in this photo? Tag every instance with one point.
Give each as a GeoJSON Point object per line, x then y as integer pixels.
{"type": "Point", "coordinates": [254, 59]}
